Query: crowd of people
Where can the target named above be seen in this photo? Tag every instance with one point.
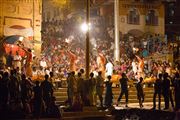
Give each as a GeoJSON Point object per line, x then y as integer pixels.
{"type": "Point", "coordinates": [27, 84]}
{"type": "Point", "coordinates": [63, 43]}
{"type": "Point", "coordinates": [85, 92]}
{"type": "Point", "coordinates": [22, 97]}
{"type": "Point", "coordinates": [19, 92]}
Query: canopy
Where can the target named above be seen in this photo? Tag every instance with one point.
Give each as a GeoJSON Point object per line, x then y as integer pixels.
{"type": "Point", "coordinates": [13, 43]}
{"type": "Point", "coordinates": [16, 39]}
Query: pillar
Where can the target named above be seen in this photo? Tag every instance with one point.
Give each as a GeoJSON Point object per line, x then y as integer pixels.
{"type": "Point", "coordinates": [116, 27]}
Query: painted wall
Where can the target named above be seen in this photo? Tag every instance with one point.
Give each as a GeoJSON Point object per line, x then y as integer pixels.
{"type": "Point", "coordinates": [26, 13]}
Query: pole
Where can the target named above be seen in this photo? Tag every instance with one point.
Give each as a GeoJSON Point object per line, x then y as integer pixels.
{"type": "Point", "coordinates": [116, 27]}
{"type": "Point", "coordinates": [87, 38]}
{"type": "Point", "coordinates": [33, 20]}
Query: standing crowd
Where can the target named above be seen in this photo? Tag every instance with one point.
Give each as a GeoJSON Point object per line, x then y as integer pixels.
{"type": "Point", "coordinates": [20, 96]}
{"type": "Point", "coordinates": [87, 91]}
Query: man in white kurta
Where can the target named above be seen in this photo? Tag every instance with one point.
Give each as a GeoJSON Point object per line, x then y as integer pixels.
{"type": "Point", "coordinates": [17, 61]}
{"type": "Point", "coordinates": [43, 64]}
{"type": "Point", "coordinates": [109, 69]}
{"type": "Point", "coordinates": [134, 67]}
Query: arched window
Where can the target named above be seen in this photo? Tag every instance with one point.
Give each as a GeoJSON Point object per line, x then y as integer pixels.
{"type": "Point", "coordinates": [133, 16]}
{"type": "Point", "coordinates": [151, 18]}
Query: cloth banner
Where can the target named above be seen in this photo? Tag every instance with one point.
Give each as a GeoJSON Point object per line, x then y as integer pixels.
{"type": "Point", "coordinates": [27, 32]}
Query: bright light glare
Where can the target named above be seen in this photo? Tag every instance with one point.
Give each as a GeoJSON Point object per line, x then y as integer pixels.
{"type": "Point", "coordinates": [21, 38]}
{"type": "Point", "coordinates": [84, 27]}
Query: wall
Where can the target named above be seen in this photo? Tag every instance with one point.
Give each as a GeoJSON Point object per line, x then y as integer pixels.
{"type": "Point", "coordinates": [26, 13]}
{"type": "Point", "coordinates": [125, 6]}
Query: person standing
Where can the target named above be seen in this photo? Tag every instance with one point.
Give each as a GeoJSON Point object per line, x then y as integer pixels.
{"type": "Point", "coordinates": [37, 101]}
{"type": "Point", "coordinates": [80, 82]}
{"type": "Point", "coordinates": [52, 79]}
{"type": "Point", "coordinates": [109, 68]}
{"type": "Point", "coordinates": [9, 60]}
{"type": "Point", "coordinates": [43, 63]}
{"type": "Point", "coordinates": [176, 82]}
{"type": "Point", "coordinates": [72, 60]}
{"type": "Point", "coordinates": [166, 90]}
{"type": "Point", "coordinates": [4, 91]}
{"type": "Point", "coordinates": [101, 60]}
{"type": "Point", "coordinates": [47, 90]}
{"type": "Point", "coordinates": [17, 60]}
{"type": "Point", "coordinates": [14, 88]}
{"type": "Point", "coordinates": [124, 89]}
{"type": "Point", "coordinates": [28, 64]}
{"type": "Point", "coordinates": [157, 91]}
{"type": "Point", "coordinates": [99, 87]}
{"type": "Point", "coordinates": [134, 67]}
{"type": "Point", "coordinates": [71, 90]}
{"type": "Point", "coordinates": [140, 66]}
{"type": "Point", "coordinates": [140, 92]}
{"type": "Point", "coordinates": [26, 93]}
{"type": "Point", "coordinates": [92, 91]}
{"type": "Point", "coordinates": [108, 94]}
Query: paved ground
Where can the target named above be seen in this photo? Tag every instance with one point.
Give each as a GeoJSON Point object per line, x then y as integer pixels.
{"type": "Point", "coordinates": [147, 105]}
{"type": "Point", "coordinates": [122, 106]}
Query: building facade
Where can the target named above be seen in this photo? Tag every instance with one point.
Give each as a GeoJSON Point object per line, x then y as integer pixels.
{"type": "Point", "coordinates": [172, 20]}
{"type": "Point", "coordinates": [138, 17]}
{"type": "Point", "coordinates": [141, 17]}
{"type": "Point", "coordinates": [22, 17]}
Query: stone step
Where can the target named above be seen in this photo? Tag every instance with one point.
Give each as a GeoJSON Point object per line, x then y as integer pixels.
{"type": "Point", "coordinates": [89, 118]}
{"type": "Point", "coordinates": [63, 92]}
{"type": "Point", "coordinates": [61, 89]}
{"type": "Point", "coordinates": [61, 95]}
{"type": "Point", "coordinates": [87, 113]}
{"type": "Point", "coordinates": [114, 89]}
{"type": "Point", "coordinates": [84, 114]}
{"type": "Point", "coordinates": [130, 97]}
{"type": "Point", "coordinates": [122, 101]}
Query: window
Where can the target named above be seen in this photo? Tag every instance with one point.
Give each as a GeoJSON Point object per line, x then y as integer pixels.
{"type": "Point", "coordinates": [151, 18]}
{"type": "Point", "coordinates": [133, 16]}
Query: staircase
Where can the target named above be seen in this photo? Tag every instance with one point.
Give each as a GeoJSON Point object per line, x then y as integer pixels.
{"type": "Point", "coordinates": [92, 113]}
{"type": "Point", "coordinates": [61, 95]}
{"type": "Point", "coordinates": [88, 113]}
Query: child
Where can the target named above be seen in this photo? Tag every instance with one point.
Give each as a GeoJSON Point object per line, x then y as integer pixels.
{"type": "Point", "coordinates": [140, 92]}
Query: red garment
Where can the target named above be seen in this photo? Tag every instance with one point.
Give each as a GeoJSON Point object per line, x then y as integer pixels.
{"type": "Point", "coordinates": [29, 57]}
{"type": "Point", "coordinates": [73, 58]}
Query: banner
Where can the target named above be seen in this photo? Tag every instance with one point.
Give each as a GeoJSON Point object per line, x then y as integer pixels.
{"type": "Point", "coordinates": [26, 32]}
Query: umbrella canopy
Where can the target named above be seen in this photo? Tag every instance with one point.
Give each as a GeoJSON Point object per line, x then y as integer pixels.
{"type": "Point", "coordinates": [16, 39]}
{"type": "Point", "coordinates": [11, 39]}
{"type": "Point", "coordinates": [15, 43]}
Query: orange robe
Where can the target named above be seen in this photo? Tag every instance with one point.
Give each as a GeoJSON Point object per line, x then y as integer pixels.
{"type": "Point", "coordinates": [73, 59]}
{"type": "Point", "coordinates": [28, 64]}
{"type": "Point", "coordinates": [101, 61]}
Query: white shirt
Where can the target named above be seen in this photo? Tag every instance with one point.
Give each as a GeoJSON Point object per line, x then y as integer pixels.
{"type": "Point", "coordinates": [134, 67]}
{"type": "Point", "coordinates": [43, 63]}
{"type": "Point", "coordinates": [109, 69]}
{"type": "Point", "coordinates": [17, 57]}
